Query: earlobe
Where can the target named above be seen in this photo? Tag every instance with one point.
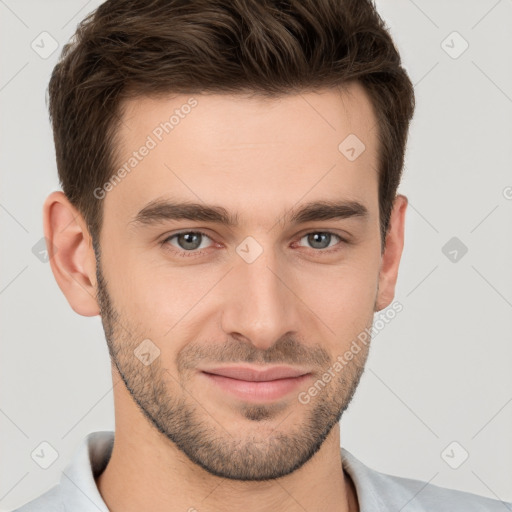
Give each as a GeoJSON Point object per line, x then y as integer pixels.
{"type": "Point", "coordinates": [70, 253]}
{"type": "Point", "coordinates": [390, 261]}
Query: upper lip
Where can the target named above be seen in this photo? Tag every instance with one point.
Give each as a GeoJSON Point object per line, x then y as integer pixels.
{"type": "Point", "coordinates": [253, 374]}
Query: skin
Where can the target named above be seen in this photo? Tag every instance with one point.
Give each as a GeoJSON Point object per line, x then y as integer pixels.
{"type": "Point", "coordinates": [182, 443]}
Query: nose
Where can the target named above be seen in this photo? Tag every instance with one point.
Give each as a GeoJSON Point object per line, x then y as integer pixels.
{"type": "Point", "coordinates": [262, 301]}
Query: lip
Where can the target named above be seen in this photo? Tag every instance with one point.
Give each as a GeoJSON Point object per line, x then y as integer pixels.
{"type": "Point", "coordinates": [253, 374]}
{"type": "Point", "coordinates": [253, 385]}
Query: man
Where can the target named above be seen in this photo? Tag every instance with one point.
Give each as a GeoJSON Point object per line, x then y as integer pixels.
{"type": "Point", "coordinates": [229, 208]}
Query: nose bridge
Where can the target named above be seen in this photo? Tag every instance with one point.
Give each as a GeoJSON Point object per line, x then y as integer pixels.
{"type": "Point", "coordinates": [260, 305]}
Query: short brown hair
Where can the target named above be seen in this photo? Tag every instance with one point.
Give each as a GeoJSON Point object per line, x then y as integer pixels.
{"type": "Point", "coordinates": [127, 48]}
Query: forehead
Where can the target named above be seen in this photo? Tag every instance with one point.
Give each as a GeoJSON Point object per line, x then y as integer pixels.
{"type": "Point", "coordinates": [250, 154]}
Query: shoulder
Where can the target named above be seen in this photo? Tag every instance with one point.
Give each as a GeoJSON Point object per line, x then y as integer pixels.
{"type": "Point", "coordinates": [384, 492]}
{"type": "Point", "coordinates": [51, 500]}
{"type": "Point", "coordinates": [77, 489]}
{"type": "Point", "coordinates": [421, 495]}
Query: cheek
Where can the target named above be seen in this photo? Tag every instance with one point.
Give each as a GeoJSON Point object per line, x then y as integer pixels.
{"type": "Point", "coordinates": [139, 293]}
{"type": "Point", "coordinates": [343, 296]}
{"type": "Point", "coordinates": [344, 300]}
{"type": "Point", "coordinates": [156, 297]}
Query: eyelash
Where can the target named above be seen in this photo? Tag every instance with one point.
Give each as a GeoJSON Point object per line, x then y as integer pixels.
{"type": "Point", "coordinates": [196, 253]}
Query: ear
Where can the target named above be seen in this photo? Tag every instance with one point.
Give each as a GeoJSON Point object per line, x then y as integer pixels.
{"type": "Point", "coordinates": [70, 253]}
{"type": "Point", "coordinates": [392, 252]}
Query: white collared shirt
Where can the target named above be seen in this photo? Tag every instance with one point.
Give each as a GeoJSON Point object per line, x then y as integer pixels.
{"type": "Point", "coordinates": [376, 491]}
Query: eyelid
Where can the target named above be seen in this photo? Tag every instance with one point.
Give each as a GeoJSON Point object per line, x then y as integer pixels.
{"type": "Point", "coordinates": [343, 235]}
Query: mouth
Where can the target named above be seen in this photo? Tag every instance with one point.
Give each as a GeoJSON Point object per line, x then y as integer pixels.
{"type": "Point", "coordinates": [254, 385]}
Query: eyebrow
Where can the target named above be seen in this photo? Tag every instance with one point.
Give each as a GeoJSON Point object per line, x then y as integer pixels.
{"type": "Point", "coordinates": [161, 210]}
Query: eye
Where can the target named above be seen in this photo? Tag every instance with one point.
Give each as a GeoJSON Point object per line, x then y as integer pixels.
{"type": "Point", "coordinates": [321, 239]}
{"type": "Point", "coordinates": [187, 242]}
{"type": "Point", "coordinates": [191, 243]}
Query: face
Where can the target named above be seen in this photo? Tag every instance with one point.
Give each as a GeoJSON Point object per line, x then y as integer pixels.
{"type": "Point", "coordinates": [278, 285]}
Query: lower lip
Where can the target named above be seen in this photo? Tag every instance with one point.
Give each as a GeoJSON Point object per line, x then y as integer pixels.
{"type": "Point", "coordinates": [266, 391]}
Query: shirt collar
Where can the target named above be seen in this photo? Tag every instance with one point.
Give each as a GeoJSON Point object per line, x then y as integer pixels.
{"type": "Point", "coordinates": [92, 456]}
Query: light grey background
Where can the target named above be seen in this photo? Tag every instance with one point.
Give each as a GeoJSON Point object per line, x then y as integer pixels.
{"type": "Point", "coordinates": [439, 372]}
